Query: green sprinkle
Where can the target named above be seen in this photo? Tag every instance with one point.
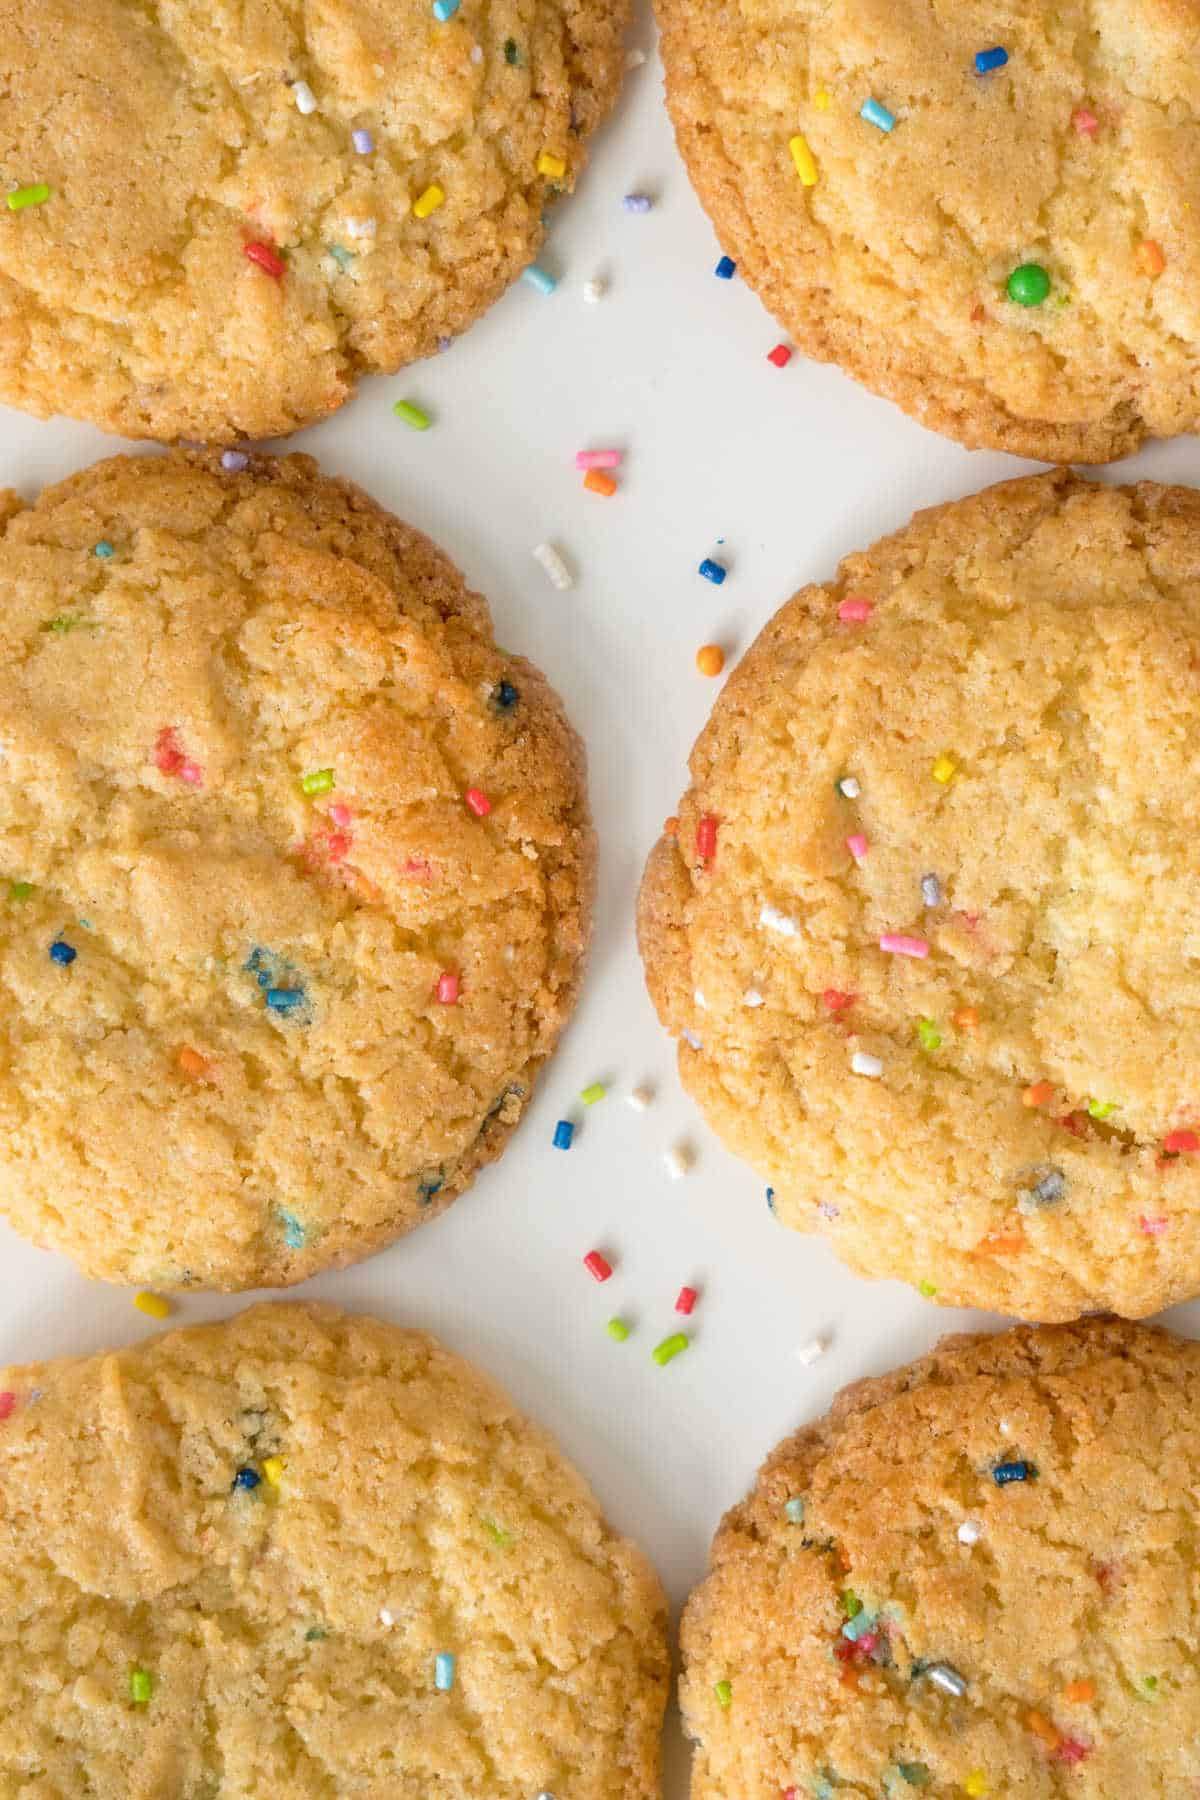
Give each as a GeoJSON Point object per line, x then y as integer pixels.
{"type": "Point", "coordinates": [851, 1604]}
{"type": "Point", "coordinates": [501, 1538]}
{"type": "Point", "coordinates": [724, 1693]}
{"type": "Point", "coordinates": [20, 198]}
{"type": "Point", "coordinates": [930, 1036]}
{"type": "Point", "coordinates": [794, 1510]}
{"type": "Point", "coordinates": [1150, 1686]}
{"type": "Point", "coordinates": [65, 622]}
{"type": "Point", "coordinates": [318, 781]}
{"type": "Point", "coordinates": [412, 415]}
{"type": "Point", "coordinates": [512, 55]}
{"type": "Point", "coordinates": [670, 1348]}
{"type": "Point", "coordinates": [342, 257]}
{"type": "Point", "coordinates": [592, 1093]}
{"type": "Point", "coordinates": [927, 1288]}
{"type": "Point", "coordinates": [314, 1634]}
{"type": "Point", "coordinates": [1100, 1109]}
{"type": "Point", "coordinates": [916, 1774]}
{"type": "Point", "coordinates": [617, 1330]}
{"type": "Point", "coordinates": [140, 1684]}
{"type": "Point", "coordinates": [20, 890]}
{"type": "Point", "coordinates": [1029, 285]}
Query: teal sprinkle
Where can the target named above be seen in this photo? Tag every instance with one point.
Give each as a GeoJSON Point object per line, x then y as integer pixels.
{"type": "Point", "coordinates": [294, 1234]}
{"type": "Point", "coordinates": [794, 1510]}
{"type": "Point", "coordinates": [103, 550]}
{"type": "Point", "coordinates": [862, 1622]}
{"type": "Point", "coordinates": [343, 258]}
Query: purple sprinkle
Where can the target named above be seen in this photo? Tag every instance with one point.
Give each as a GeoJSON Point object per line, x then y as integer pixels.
{"type": "Point", "coordinates": [363, 142]}
{"type": "Point", "coordinates": [234, 460]}
{"type": "Point", "coordinates": [639, 203]}
{"type": "Point", "coordinates": [444, 343]}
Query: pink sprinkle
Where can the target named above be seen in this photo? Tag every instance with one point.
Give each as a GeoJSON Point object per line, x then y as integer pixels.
{"type": "Point", "coordinates": [416, 868]}
{"type": "Point", "coordinates": [340, 815]}
{"type": "Point", "coordinates": [192, 773]}
{"type": "Point", "coordinates": [447, 988]}
{"type": "Point", "coordinates": [597, 459]}
{"type": "Point", "coordinates": [856, 610]}
{"type": "Point", "coordinates": [686, 1299]}
{"type": "Point", "coordinates": [1085, 121]}
{"type": "Point", "coordinates": [898, 945]}
{"type": "Point", "coordinates": [836, 1001]}
{"type": "Point", "coordinates": [337, 846]}
{"type": "Point", "coordinates": [857, 846]}
{"type": "Point", "coordinates": [1071, 1751]}
{"type": "Point", "coordinates": [8, 1405]}
{"type": "Point", "coordinates": [1154, 1227]}
{"type": "Point", "coordinates": [868, 1642]}
{"type": "Point", "coordinates": [478, 802]}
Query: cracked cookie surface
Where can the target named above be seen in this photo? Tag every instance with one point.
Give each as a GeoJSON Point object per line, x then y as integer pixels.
{"type": "Point", "coordinates": [171, 137]}
{"type": "Point", "coordinates": [1080, 155]}
{"type": "Point", "coordinates": [928, 930]}
{"type": "Point", "coordinates": [976, 1577]}
{"type": "Point", "coordinates": [295, 873]}
{"type": "Point", "coordinates": [233, 1555]}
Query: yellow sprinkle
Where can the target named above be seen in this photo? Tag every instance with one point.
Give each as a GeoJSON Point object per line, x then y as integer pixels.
{"type": "Point", "coordinates": [153, 1305]}
{"type": "Point", "coordinates": [821, 101]}
{"type": "Point", "coordinates": [551, 165]}
{"type": "Point", "coordinates": [429, 202]}
{"type": "Point", "coordinates": [975, 1784]}
{"type": "Point", "coordinates": [944, 769]}
{"type": "Point", "coordinates": [802, 156]}
{"type": "Point", "coordinates": [272, 1468]}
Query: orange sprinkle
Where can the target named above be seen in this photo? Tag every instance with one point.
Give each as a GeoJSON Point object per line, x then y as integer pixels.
{"type": "Point", "coordinates": [966, 1018]}
{"type": "Point", "coordinates": [1001, 1243]}
{"type": "Point", "coordinates": [597, 482]}
{"type": "Point", "coordinates": [1042, 1728]}
{"type": "Point", "coordinates": [1150, 259]}
{"type": "Point", "coordinates": [671, 826]}
{"type": "Point", "coordinates": [851, 1678]}
{"type": "Point", "coordinates": [1079, 1692]}
{"type": "Point", "coordinates": [195, 1065]}
{"type": "Point", "coordinates": [710, 659]}
{"type": "Point", "coordinates": [1038, 1094]}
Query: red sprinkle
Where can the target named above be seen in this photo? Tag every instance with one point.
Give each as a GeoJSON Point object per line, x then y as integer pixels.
{"type": "Point", "coordinates": [687, 1298]}
{"type": "Point", "coordinates": [836, 1001]}
{"type": "Point", "coordinates": [337, 846]}
{"type": "Point", "coordinates": [1154, 1227]}
{"type": "Point", "coordinates": [781, 356]}
{"type": "Point", "coordinates": [267, 259]}
{"type": "Point", "coordinates": [447, 988]}
{"type": "Point", "coordinates": [1085, 121]}
{"type": "Point", "coordinates": [706, 837]}
{"type": "Point", "coordinates": [416, 868]}
{"type": "Point", "coordinates": [1176, 1141]}
{"type": "Point", "coordinates": [8, 1405]}
{"type": "Point", "coordinates": [170, 760]}
{"type": "Point", "coordinates": [597, 1265]}
{"type": "Point", "coordinates": [478, 802]}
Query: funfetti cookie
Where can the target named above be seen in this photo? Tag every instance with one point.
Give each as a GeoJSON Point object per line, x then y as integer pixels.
{"type": "Point", "coordinates": [295, 873]}
{"type": "Point", "coordinates": [220, 216]}
{"type": "Point", "coordinates": [974, 1579]}
{"type": "Point", "coordinates": [308, 1554]}
{"type": "Point", "coordinates": [927, 931]}
{"type": "Point", "coordinates": [984, 213]}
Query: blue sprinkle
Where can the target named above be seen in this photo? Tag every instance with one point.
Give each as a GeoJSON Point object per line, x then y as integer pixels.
{"type": "Point", "coordinates": [771, 1199]}
{"type": "Point", "coordinates": [362, 140]}
{"type": "Point", "coordinates": [713, 571]}
{"type": "Point", "coordinates": [62, 954]}
{"type": "Point", "coordinates": [725, 269]}
{"type": "Point", "coordinates": [506, 696]}
{"type": "Point", "coordinates": [443, 1672]}
{"type": "Point", "coordinates": [246, 1480]}
{"type": "Point", "coordinates": [564, 1131]}
{"type": "Point", "coordinates": [427, 1189]}
{"type": "Point", "coordinates": [1003, 1473]}
{"type": "Point", "coordinates": [103, 550]}
{"type": "Point", "coordinates": [637, 203]}
{"type": "Point", "coordinates": [285, 1000]}
{"type": "Point", "coordinates": [294, 1234]}
{"type": "Point", "coordinates": [444, 9]}
{"type": "Point", "coordinates": [875, 114]}
{"type": "Point", "coordinates": [986, 60]}
{"type": "Point", "coordinates": [539, 279]}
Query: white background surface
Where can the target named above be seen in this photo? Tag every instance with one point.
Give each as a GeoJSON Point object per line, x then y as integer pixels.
{"type": "Point", "coordinates": [793, 468]}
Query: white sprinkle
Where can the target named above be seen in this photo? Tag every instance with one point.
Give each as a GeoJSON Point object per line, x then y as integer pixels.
{"type": "Point", "coordinates": [640, 1097]}
{"type": "Point", "coordinates": [849, 787]}
{"type": "Point", "coordinates": [862, 1064]}
{"type": "Point", "coordinates": [774, 920]}
{"type": "Point", "coordinates": [306, 100]}
{"type": "Point", "coordinates": [361, 228]}
{"type": "Point", "coordinates": [812, 1351]}
{"type": "Point", "coordinates": [678, 1161]}
{"type": "Point", "coordinates": [634, 59]}
{"type": "Point", "coordinates": [752, 997]}
{"type": "Point", "coordinates": [693, 1042]}
{"type": "Point", "coordinates": [555, 567]}
{"type": "Point", "coordinates": [594, 290]}
{"type": "Point", "coordinates": [946, 1677]}
{"type": "Point", "coordinates": [385, 1617]}
{"type": "Point", "coordinates": [476, 53]}
{"type": "Point", "coordinates": [701, 1002]}
{"type": "Point", "coordinates": [970, 1531]}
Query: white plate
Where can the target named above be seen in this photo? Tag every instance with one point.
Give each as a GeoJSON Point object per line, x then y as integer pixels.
{"type": "Point", "coordinates": [793, 468]}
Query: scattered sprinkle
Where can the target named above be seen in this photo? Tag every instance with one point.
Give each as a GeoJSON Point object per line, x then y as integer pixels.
{"type": "Point", "coordinates": [775, 920]}
{"type": "Point", "coordinates": [706, 837]}
{"type": "Point", "coordinates": [273, 1468]}
{"type": "Point", "coordinates": [62, 954]}
{"type": "Point", "coordinates": [849, 787]}
{"type": "Point", "coordinates": [724, 1692]}
{"type": "Point", "coordinates": [1177, 1141]}
{"type": "Point", "coordinates": [969, 1532]}
{"type": "Point", "coordinates": [634, 59]}
{"type": "Point", "coordinates": [810, 1352]}
{"type": "Point", "coordinates": [945, 1676]}
{"type": "Point", "coordinates": [678, 1161]}
{"type": "Point", "coordinates": [617, 1330]}
{"type": "Point", "coordinates": [363, 142]}
{"type": "Point", "coordinates": [512, 54]}
{"type": "Point", "coordinates": [637, 203]}
{"type": "Point", "coordinates": [897, 943]}
{"type": "Point", "coordinates": [596, 482]}
{"type": "Point", "coordinates": [341, 256]}
{"type": "Point", "coordinates": [931, 890]}
{"type": "Point", "coordinates": [670, 1348]}
{"type": "Point", "coordinates": [153, 1305]}
{"type": "Point", "coordinates": [713, 571]}
{"type": "Point", "coordinates": [597, 459]}
{"type": "Point", "coordinates": [752, 997]}
{"type": "Point", "coordinates": [1043, 1729]}
{"type": "Point", "coordinates": [986, 60]}
{"type": "Point", "coordinates": [557, 570]}
{"type": "Point", "coordinates": [976, 1784]}
{"type": "Point", "coordinates": [1101, 1109]}
{"type": "Point", "coordinates": [686, 1299]}
{"type": "Point", "coordinates": [929, 1035]}
{"type": "Point", "coordinates": [1154, 1227]}
{"type": "Point", "coordinates": [539, 278]}
{"type": "Point", "coordinates": [802, 157]}
{"type": "Point", "coordinates": [944, 769]}
{"type": "Point", "coordinates": [639, 1098]}
{"type": "Point", "coordinates": [21, 198]}
{"type": "Point", "coordinates": [1079, 1692]}
{"type": "Point", "coordinates": [104, 550]}
{"type": "Point", "coordinates": [710, 659]}
{"type": "Point", "coordinates": [444, 9]}
{"type": "Point", "coordinates": [855, 610]}
{"type": "Point", "coordinates": [862, 1064]}
{"type": "Point", "coordinates": [966, 1018]}
{"type": "Point", "coordinates": [412, 415]}
{"type": "Point", "coordinates": [1039, 1093]}
{"type": "Point", "coordinates": [478, 802]}
{"type": "Point", "coordinates": [268, 260]}
{"type": "Point", "coordinates": [141, 1685]}
{"type": "Point", "coordinates": [284, 1000]}
{"type": "Point", "coordinates": [781, 356]}
{"type": "Point", "coordinates": [8, 1404]}
{"type": "Point", "coordinates": [564, 1131]}
{"type": "Point", "coordinates": [725, 269]}
{"type": "Point", "coordinates": [246, 1480]}
{"type": "Point", "coordinates": [306, 100]}
{"type": "Point", "coordinates": [443, 1671]}
{"type": "Point", "coordinates": [858, 847]}
{"type": "Point", "coordinates": [835, 1001]}
{"type": "Point", "coordinates": [448, 988]}
{"type": "Point", "coordinates": [317, 781]}
{"type": "Point", "coordinates": [593, 291]}
{"type": "Point", "coordinates": [793, 1511]}
{"type": "Point", "coordinates": [20, 890]}
{"type": "Point", "coordinates": [1085, 121]}
{"type": "Point", "coordinates": [1049, 1188]}
{"type": "Point", "coordinates": [234, 461]}
{"type": "Point", "coordinates": [594, 1091]}
{"type": "Point", "coordinates": [1150, 259]}
{"type": "Point", "coordinates": [550, 165]}
{"type": "Point", "coordinates": [1006, 1472]}
{"type": "Point", "coordinates": [597, 1265]}
{"type": "Point", "coordinates": [294, 1234]}
{"type": "Point", "coordinates": [1028, 285]}
{"type": "Point", "coordinates": [429, 201]}
{"type": "Point", "coordinates": [386, 1616]}
{"type": "Point", "coordinates": [876, 114]}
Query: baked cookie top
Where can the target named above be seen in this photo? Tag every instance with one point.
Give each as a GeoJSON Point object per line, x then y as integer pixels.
{"type": "Point", "coordinates": [976, 1578]}
{"type": "Point", "coordinates": [928, 929]}
{"type": "Point", "coordinates": [308, 1554]}
{"type": "Point", "coordinates": [984, 213]}
{"type": "Point", "coordinates": [295, 873]}
{"type": "Point", "coordinates": [252, 205]}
